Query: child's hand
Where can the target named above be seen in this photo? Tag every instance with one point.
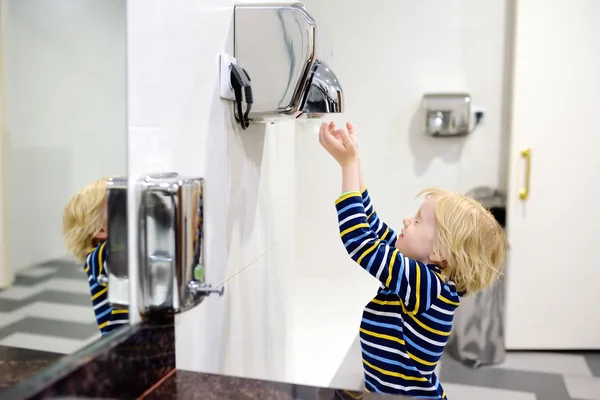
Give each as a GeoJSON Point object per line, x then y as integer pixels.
{"type": "Point", "coordinates": [338, 143]}
{"type": "Point", "coordinates": [351, 132]}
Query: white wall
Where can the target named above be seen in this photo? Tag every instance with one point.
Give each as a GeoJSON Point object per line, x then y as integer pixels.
{"type": "Point", "coordinates": [177, 122]}
{"type": "Point", "coordinates": [65, 113]}
{"type": "Point", "coordinates": [270, 220]}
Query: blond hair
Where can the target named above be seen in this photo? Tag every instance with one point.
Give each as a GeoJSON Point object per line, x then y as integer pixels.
{"type": "Point", "coordinates": [83, 218]}
{"type": "Point", "coordinates": [471, 242]}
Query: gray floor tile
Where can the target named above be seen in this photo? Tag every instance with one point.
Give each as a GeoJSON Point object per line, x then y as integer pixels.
{"type": "Point", "coordinates": [544, 386]}
{"type": "Point", "coordinates": [22, 280]}
{"type": "Point", "coordinates": [455, 391]}
{"type": "Point", "coordinates": [59, 262]}
{"type": "Point", "coordinates": [593, 361]}
{"type": "Point", "coordinates": [70, 273]}
{"type": "Point", "coordinates": [52, 296]}
{"type": "Point", "coordinates": [584, 388]}
{"type": "Point", "coordinates": [50, 327]}
{"type": "Point", "coordinates": [547, 362]}
{"type": "Point", "coordinates": [59, 268]}
{"type": "Point", "coordinates": [38, 272]}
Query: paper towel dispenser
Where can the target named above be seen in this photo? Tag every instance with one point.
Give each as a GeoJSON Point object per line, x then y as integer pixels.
{"type": "Point", "coordinates": [275, 44]}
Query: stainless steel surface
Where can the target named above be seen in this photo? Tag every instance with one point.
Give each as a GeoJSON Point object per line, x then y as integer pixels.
{"type": "Point", "coordinates": [118, 276]}
{"type": "Point", "coordinates": [324, 95]}
{"type": "Point", "coordinates": [447, 114]}
{"type": "Point", "coordinates": [477, 337]}
{"type": "Point", "coordinates": [196, 288]}
{"type": "Point", "coordinates": [275, 44]}
{"type": "Point", "coordinates": [171, 244]}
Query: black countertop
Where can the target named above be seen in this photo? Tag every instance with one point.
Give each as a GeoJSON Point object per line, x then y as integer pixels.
{"type": "Point", "coordinates": [124, 364]}
{"type": "Point", "coordinates": [139, 362]}
{"type": "Point", "coordinates": [18, 364]}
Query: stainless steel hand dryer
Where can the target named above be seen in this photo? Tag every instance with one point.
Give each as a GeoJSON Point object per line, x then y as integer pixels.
{"type": "Point", "coordinates": [275, 44]}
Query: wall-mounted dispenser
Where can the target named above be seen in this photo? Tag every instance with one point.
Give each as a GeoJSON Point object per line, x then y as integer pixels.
{"type": "Point", "coordinates": [170, 249]}
{"type": "Point", "coordinates": [275, 45]}
{"type": "Point", "coordinates": [171, 244]}
{"type": "Point", "coordinates": [447, 114]}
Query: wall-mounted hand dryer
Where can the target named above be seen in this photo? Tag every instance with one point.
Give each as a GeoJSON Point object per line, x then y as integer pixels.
{"type": "Point", "coordinates": [275, 44]}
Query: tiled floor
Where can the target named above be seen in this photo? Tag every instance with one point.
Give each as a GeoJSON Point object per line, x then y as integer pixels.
{"type": "Point", "coordinates": [523, 376]}
{"type": "Point", "coordinates": [48, 309]}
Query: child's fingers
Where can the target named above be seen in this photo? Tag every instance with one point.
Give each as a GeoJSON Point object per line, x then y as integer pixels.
{"type": "Point", "coordinates": [351, 128]}
{"type": "Point", "coordinates": [325, 137]}
{"type": "Point", "coordinates": [338, 133]}
{"type": "Point", "coordinates": [332, 127]}
{"type": "Point", "coordinates": [348, 143]}
{"type": "Point", "coordinates": [332, 143]}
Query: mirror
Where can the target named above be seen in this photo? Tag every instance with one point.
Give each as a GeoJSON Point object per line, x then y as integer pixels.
{"type": "Point", "coordinates": [63, 129]}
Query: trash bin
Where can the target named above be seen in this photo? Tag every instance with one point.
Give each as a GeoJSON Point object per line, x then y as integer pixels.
{"type": "Point", "coordinates": [477, 337]}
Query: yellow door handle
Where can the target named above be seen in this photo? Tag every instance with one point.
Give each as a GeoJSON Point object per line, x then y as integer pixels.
{"type": "Point", "coordinates": [526, 155]}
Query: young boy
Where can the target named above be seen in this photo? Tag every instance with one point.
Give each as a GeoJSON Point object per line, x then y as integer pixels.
{"type": "Point", "coordinates": [85, 231]}
{"type": "Point", "coordinates": [450, 248]}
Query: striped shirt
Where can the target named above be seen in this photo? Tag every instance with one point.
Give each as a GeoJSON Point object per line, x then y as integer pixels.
{"type": "Point", "coordinates": [96, 269]}
{"type": "Point", "coordinates": [405, 328]}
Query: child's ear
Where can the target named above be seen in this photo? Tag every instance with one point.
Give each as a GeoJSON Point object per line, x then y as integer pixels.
{"type": "Point", "coordinates": [436, 258]}
{"type": "Point", "coordinates": [101, 235]}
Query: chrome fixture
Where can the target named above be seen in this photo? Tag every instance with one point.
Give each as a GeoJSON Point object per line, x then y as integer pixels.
{"type": "Point", "coordinates": [118, 276]}
{"type": "Point", "coordinates": [275, 44]}
{"type": "Point", "coordinates": [447, 114]}
{"type": "Point", "coordinates": [171, 245]}
{"type": "Point", "coordinates": [170, 251]}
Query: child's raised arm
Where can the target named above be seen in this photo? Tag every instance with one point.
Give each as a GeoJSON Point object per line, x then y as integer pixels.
{"type": "Point", "coordinates": [383, 231]}
{"type": "Point", "coordinates": [411, 280]}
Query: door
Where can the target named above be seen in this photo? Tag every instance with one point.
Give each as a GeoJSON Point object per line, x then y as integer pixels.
{"type": "Point", "coordinates": [6, 274]}
{"type": "Point", "coordinates": [552, 284]}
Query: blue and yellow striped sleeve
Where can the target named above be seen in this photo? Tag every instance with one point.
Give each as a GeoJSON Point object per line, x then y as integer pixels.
{"type": "Point", "coordinates": [96, 264]}
{"type": "Point", "coordinates": [411, 280]}
{"type": "Point", "coordinates": [383, 231]}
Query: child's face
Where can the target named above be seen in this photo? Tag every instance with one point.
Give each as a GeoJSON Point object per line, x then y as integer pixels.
{"type": "Point", "coordinates": [103, 234]}
{"type": "Point", "coordinates": [418, 235]}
